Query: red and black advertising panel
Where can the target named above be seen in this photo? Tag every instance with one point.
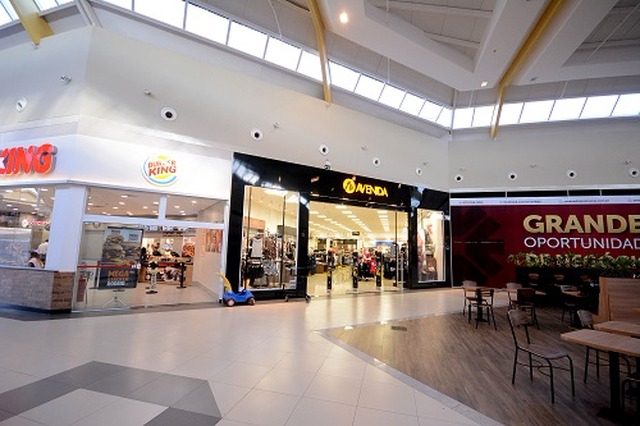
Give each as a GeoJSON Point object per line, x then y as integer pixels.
{"type": "Point", "coordinates": [485, 232]}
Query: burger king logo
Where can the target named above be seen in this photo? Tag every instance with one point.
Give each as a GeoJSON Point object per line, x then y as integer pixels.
{"type": "Point", "coordinates": [160, 170]}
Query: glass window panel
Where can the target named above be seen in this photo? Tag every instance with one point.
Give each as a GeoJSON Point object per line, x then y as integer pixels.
{"type": "Point", "coordinates": [628, 105]}
{"type": "Point", "coordinates": [115, 202]}
{"type": "Point", "coordinates": [430, 111]}
{"type": "Point", "coordinates": [567, 109]}
{"type": "Point", "coordinates": [126, 4]}
{"type": "Point", "coordinates": [270, 231]}
{"type": "Point", "coordinates": [207, 24]}
{"type": "Point", "coordinates": [64, 1]}
{"type": "Point", "coordinates": [392, 96]}
{"type": "Point", "coordinates": [25, 219]}
{"type": "Point", "coordinates": [343, 77]}
{"type": "Point", "coordinates": [247, 40]}
{"type": "Point", "coordinates": [445, 117]}
{"type": "Point", "coordinates": [535, 112]}
{"type": "Point", "coordinates": [168, 11]}
{"type": "Point", "coordinates": [482, 116]}
{"type": "Point", "coordinates": [369, 87]}
{"type": "Point", "coordinates": [462, 118]}
{"type": "Point", "coordinates": [283, 54]}
{"type": "Point", "coordinates": [310, 65]}
{"type": "Point", "coordinates": [45, 4]}
{"type": "Point", "coordinates": [412, 104]}
{"type": "Point", "coordinates": [4, 16]}
{"type": "Point", "coordinates": [510, 113]}
{"type": "Point", "coordinates": [599, 106]}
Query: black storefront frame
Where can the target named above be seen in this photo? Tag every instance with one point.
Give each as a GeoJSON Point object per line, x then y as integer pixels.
{"type": "Point", "coordinates": [328, 186]}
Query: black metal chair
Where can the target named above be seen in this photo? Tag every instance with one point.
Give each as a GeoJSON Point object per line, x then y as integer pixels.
{"type": "Point", "coordinates": [482, 301]}
{"type": "Point", "coordinates": [545, 355]}
{"type": "Point", "coordinates": [468, 292]}
{"type": "Point", "coordinates": [631, 379]}
{"type": "Point", "coordinates": [526, 301]}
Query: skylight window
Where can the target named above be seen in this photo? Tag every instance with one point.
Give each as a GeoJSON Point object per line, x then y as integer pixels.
{"type": "Point", "coordinates": [46, 4]}
{"type": "Point", "coordinates": [599, 106]}
{"type": "Point", "coordinates": [7, 12]}
{"type": "Point", "coordinates": [462, 118]}
{"type": "Point", "coordinates": [392, 96]}
{"type": "Point", "coordinates": [207, 24]}
{"type": "Point", "coordinates": [482, 116]}
{"type": "Point", "coordinates": [125, 4]}
{"type": "Point", "coordinates": [510, 113]}
{"type": "Point", "coordinates": [567, 109]}
{"type": "Point", "coordinates": [343, 77]}
{"type": "Point", "coordinates": [310, 65]}
{"type": "Point", "coordinates": [247, 40]}
{"type": "Point", "coordinates": [627, 106]}
{"type": "Point", "coordinates": [535, 112]}
{"type": "Point", "coordinates": [430, 111]}
{"type": "Point", "coordinates": [369, 87]}
{"type": "Point", "coordinates": [412, 104]}
{"type": "Point", "coordinates": [445, 117]}
{"type": "Point", "coordinates": [168, 11]}
{"type": "Point", "coordinates": [283, 54]}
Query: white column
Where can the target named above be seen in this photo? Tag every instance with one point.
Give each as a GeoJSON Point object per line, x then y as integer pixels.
{"type": "Point", "coordinates": [66, 228]}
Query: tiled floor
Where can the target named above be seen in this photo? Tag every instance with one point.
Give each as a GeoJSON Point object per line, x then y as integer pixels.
{"type": "Point", "coordinates": [269, 364]}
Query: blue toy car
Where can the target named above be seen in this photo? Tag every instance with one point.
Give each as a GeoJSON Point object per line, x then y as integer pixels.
{"type": "Point", "coordinates": [230, 297]}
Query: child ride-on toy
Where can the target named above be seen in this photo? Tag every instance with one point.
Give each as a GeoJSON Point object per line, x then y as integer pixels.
{"type": "Point", "coordinates": [230, 297]}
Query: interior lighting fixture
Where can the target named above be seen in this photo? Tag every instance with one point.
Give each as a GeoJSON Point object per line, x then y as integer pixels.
{"type": "Point", "coordinates": [484, 84]}
{"type": "Point", "coordinates": [344, 17]}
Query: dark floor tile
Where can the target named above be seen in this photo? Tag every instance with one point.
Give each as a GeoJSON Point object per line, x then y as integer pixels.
{"type": "Point", "coordinates": [4, 415]}
{"type": "Point", "coordinates": [166, 390]}
{"type": "Point", "coordinates": [29, 396]}
{"type": "Point", "coordinates": [86, 374]}
{"type": "Point", "coordinates": [124, 382]}
{"type": "Point", "coordinates": [173, 417]}
{"type": "Point", "coordinates": [200, 401]}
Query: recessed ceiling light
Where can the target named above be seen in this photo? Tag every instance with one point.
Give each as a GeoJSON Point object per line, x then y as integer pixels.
{"type": "Point", "coordinates": [484, 84]}
{"type": "Point", "coordinates": [341, 206]}
{"type": "Point", "coordinates": [344, 17]}
{"type": "Point", "coordinates": [145, 207]}
{"type": "Point", "coordinates": [121, 203]}
{"type": "Point", "coordinates": [124, 196]}
{"type": "Point", "coordinates": [90, 204]}
{"type": "Point", "coordinates": [115, 207]}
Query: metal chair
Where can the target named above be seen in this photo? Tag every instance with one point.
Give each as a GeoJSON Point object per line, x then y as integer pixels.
{"type": "Point", "coordinates": [513, 286]}
{"type": "Point", "coordinates": [545, 355]}
{"type": "Point", "coordinates": [468, 293]}
{"type": "Point", "coordinates": [483, 300]}
{"type": "Point", "coordinates": [526, 301]}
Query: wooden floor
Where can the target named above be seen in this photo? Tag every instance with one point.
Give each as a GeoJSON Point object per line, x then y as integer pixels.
{"type": "Point", "coordinates": [474, 367]}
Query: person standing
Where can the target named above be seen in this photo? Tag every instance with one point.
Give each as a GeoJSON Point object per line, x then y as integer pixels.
{"type": "Point", "coordinates": [42, 250]}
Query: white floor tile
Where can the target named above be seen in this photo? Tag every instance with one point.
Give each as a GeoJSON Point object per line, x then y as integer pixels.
{"type": "Point", "coordinates": [11, 380]}
{"type": "Point", "coordinates": [431, 410]}
{"type": "Point", "coordinates": [227, 396]}
{"type": "Point", "coordinates": [69, 408]}
{"type": "Point", "coordinates": [122, 412]}
{"type": "Point", "coordinates": [301, 362]}
{"type": "Point", "coordinates": [289, 382]}
{"type": "Point", "coordinates": [315, 412]}
{"type": "Point", "coordinates": [241, 374]}
{"type": "Point", "coordinates": [344, 390]}
{"type": "Point", "coordinates": [352, 368]}
{"type": "Point", "coordinates": [370, 417]}
{"type": "Point", "coordinates": [264, 408]}
{"type": "Point", "coordinates": [19, 421]}
{"type": "Point", "coordinates": [394, 397]}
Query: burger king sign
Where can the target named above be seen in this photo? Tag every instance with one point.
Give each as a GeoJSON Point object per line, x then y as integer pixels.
{"type": "Point", "coordinates": [160, 170]}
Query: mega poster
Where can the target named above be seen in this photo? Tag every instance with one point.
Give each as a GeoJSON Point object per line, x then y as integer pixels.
{"type": "Point", "coordinates": [486, 232]}
{"type": "Point", "coordinates": [120, 257]}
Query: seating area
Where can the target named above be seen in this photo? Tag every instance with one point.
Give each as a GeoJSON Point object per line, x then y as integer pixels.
{"type": "Point", "coordinates": [492, 373]}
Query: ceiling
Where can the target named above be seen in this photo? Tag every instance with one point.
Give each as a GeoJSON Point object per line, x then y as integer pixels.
{"type": "Point", "coordinates": [446, 49]}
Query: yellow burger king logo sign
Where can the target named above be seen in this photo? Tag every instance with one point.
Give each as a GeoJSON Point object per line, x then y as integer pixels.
{"type": "Point", "coordinates": [160, 170]}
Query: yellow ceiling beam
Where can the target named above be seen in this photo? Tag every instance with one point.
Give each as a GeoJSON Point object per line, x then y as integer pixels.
{"type": "Point", "coordinates": [538, 30]}
{"type": "Point", "coordinates": [33, 24]}
{"type": "Point", "coordinates": [318, 24]}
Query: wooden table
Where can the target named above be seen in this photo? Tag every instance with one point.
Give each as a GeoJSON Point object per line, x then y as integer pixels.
{"type": "Point", "coordinates": [614, 344]}
{"type": "Point", "coordinates": [619, 327]}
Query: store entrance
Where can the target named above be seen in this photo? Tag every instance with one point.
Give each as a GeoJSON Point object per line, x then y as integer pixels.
{"type": "Point", "coordinates": [354, 250]}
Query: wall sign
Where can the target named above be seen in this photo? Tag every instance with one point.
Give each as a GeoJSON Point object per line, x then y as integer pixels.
{"type": "Point", "coordinates": [31, 159]}
{"type": "Point", "coordinates": [353, 185]}
{"type": "Point", "coordinates": [160, 170]}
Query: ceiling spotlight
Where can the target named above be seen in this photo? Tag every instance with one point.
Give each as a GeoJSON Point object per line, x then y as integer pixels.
{"type": "Point", "coordinates": [484, 84]}
{"type": "Point", "coordinates": [65, 79]}
{"type": "Point", "coordinates": [344, 17]}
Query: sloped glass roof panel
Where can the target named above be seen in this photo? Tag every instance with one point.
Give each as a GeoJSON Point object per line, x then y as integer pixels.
{"type": "Point", "coordinates": [207, 24]}
{"type": "Point", "coordinates": [247, 40]}
{"type": "Point", "coordinates": [445, 117]}
{"type": "Point", "coordinates": [430, 111]}
{"type": "Point", "coordinates": [310, 65]}
{"type": "Point", "coordinates": [567, 109]}
{"type": "Point", "coordinates": [7, 9]}
{"type": "Point", "coordinates": [462, 118]}
{"type": "Point", "coordinates": [627, 106]}
{"type": "Point", "coordinates": [392, 96]}
{"type": "Point", "coordinates": [510, 113]}
{"type": "Point", "coordinates": [482, 116]}
{"type": "Point", "coordinates": [168, 11]}
{"type": "Point", "coordinates": [126, 4]}
{"type": "Point", "coordinates": [64, 1]}
{"type": "Point", "coordinates": [369, 87]}
{"type": "Point", "coordinates": [4, 16]}
{"type": "Point", "coordinates": [45, 4]}
{"type": "Point", "coordinates": [412, 104]}
{"type": "Point", "coordinates": [283, 54]}
{"type": "Point", "coordinates": [343, 77]}
{"type": "Point", "coordinates": [599, 106]}
{"type": "Point", "coordinates": [536, 111]}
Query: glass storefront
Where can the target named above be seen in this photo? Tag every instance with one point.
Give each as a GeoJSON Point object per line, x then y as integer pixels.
{"type": "Point", "coordinates": [25, 218]}
{"type": "Point", "coordinates": [269, 239]}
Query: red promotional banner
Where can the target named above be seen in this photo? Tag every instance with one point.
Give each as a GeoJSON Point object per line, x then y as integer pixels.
{"type": "Point", "coordinates": [484, 235]}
